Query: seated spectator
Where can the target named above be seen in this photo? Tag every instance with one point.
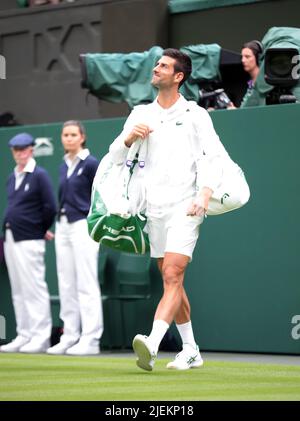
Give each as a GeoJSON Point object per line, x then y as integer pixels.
{"type": "Point", "coordinates": [41, 2]}
{"type": "Point", "coordinates": [26, 3]}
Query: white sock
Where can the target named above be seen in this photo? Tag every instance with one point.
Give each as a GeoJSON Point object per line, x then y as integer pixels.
{"type": "Point", "coordinates": [158, 331]}
{"type": "Point", "coordinates": [186, 332]}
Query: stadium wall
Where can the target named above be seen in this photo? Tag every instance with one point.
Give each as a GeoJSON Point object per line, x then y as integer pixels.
{"type": "Point", "coordinates": [243, 281]}
{"type": "Point", "coordinates": [42, 45]}
{"type": "Point", "coordinates": [231, 25]}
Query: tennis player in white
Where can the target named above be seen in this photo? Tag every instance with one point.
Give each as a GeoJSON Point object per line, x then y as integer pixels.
{"type": "Point", "coordinates": [179, 181]}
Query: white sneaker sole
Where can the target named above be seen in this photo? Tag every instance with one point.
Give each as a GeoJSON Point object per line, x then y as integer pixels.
{"type": "Point", "coordinates": [172, 366]}
{"type": "Point", "coordinates": [87, 352]}
{"type": "Point", "coordinates": [10, 351]}
{"type": "Point", "coordinates": [60, 352]}
{"type": "Point", "coordinates": [144, 357]}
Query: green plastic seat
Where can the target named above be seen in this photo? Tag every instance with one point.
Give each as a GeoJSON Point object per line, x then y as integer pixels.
{"type": "Point", "coordinates": [124, 281]}
{"type": "Point", "coordinates": [133, 276]}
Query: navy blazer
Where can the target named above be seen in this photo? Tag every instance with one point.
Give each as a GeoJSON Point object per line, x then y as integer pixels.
{"type": "Point", "coordinates": [31, 209]}
{"type": "Point", "coordinates": [75, 191]}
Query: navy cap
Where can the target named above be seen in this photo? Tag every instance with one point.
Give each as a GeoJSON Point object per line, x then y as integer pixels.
{"type": "Point", "coordinates": [22, 140]}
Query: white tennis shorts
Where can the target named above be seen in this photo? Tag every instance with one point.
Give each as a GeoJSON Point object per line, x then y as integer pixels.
{"type": "Point", "coordinates": [171, 230]}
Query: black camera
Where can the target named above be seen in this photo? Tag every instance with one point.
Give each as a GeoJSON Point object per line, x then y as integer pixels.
{"type": "Point", "coordinates": [280, 73]}
{"type": "Point", "coordinates": [216, 99]}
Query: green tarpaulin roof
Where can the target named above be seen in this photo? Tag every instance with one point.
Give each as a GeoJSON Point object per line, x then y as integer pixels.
{"type": "Point", "coordinates": [181, 6]}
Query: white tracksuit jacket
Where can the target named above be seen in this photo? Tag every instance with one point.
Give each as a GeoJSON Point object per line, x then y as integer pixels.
{"type": "Point", "coordinates": [184, 153]}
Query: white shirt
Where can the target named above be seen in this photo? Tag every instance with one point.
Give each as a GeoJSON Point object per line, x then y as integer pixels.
{"type": "Point", "coordinates": [170, 167]}
{"type": "Point", "coordinates": [72, 163]}
{"type": "Point", "coordinates": [184, 151]}
{"type": "Point", "coordinates": [19, 175]}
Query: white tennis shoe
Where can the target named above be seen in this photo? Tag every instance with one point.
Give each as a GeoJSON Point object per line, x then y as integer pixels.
{"type": "Point", "coordinates": [15, 345]}
{"type": "Point", "coordinates": [189, 357]}
{"type": "Point", "coordinates": [145, 355]}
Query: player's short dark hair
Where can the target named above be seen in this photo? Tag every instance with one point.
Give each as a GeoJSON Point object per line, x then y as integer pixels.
{"type": "Point", "coordinates": [183, 62]}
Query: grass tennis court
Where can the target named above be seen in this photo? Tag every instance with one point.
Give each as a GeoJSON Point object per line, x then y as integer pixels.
{"type": "Point", "coordinates": [44, 377]}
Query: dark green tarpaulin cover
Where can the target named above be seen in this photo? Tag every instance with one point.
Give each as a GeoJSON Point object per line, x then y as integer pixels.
{"type": "Point", "coordinates": [206, 66]}
{"type": "Point", "coordinates": [276, 37]}
{"type": "Point", "coordinates": [126, 77]}
{"type": "Point", "coordinates": [181, 6]}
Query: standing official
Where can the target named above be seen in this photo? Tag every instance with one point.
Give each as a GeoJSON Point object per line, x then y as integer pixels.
{"type": "Point", "coordinates": [76, 252]}
{"type": "Point", "coordinates": [29, 214]}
